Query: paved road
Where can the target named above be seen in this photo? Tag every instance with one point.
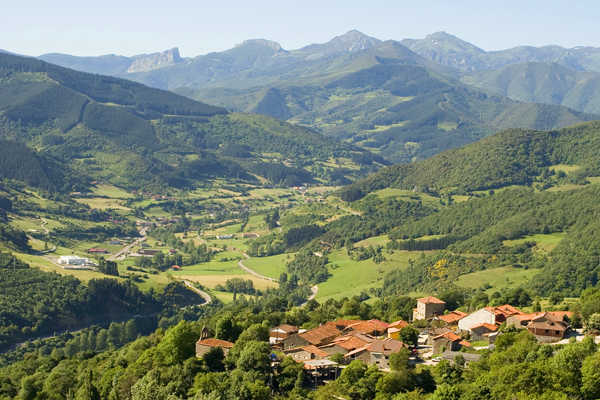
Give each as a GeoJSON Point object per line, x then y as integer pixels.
{"type": "Point", "coordinates": [121, 254]}
{"type": "Point", "coordinates": [248, 270]}
{"type": "Point", "coordinates": [314, 290]}
{"type": "Point", "coordinates": [205, 296]}
{"type": "Point", "coordinates": [46, 231]}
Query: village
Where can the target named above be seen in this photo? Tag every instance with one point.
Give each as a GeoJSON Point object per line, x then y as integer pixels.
{"type": "Point", "coordinates": [434, 334]}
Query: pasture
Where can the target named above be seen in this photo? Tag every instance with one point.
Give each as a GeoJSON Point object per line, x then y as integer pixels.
{"type": "Point", "coordinates": [496, 278]}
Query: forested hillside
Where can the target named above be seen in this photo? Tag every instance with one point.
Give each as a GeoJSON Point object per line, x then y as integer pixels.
{"type": "Point", "coordinates": [138, 137]}
{"type": "Point", "coordinates": [509, 157]}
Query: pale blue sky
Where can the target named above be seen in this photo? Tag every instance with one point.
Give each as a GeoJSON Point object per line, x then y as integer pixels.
{"type": "Point", "coordinates": [81, 27]}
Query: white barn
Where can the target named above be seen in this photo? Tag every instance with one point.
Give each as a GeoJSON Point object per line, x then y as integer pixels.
{"type": "Point", "coordinates": [72, 260]}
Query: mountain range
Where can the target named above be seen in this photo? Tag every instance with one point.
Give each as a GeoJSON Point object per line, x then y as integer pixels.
{"type": "Point", "coordinates": [405, 100]}
{"type": "Point", "coordinates": [84, 126]}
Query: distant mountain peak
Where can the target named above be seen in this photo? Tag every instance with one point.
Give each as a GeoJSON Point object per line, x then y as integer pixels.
{"type": "Point", "coordinates": [263, 42]}
{"type": "Point", "coordinates": [155, 60]}
{"type": "Point", "coordinates": [350, 42]}
{"type": "Point", "coordinates": [354, 41]}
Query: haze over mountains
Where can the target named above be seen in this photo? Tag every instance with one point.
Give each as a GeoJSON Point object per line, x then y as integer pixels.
{"type": "Point", "coordinates": [406, 100]}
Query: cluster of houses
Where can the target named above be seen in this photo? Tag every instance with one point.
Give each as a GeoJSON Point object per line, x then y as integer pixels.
{"type": "Point", "coordinates": [374, 341]}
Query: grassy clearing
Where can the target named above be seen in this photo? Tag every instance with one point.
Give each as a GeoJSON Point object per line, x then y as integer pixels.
{"type": "Point", "coordinates": [447, 126]}
{"type": "Point", "coordinates": [380, 128]}
{"type": "Point", "coordinates": [373, 241]}
{"type": "Point", "coordinates": [210, 281]}
{"type": "Point", "coordinates": [593, 179]}
{"type": "Point", "coordinates": [271, 266]}
{"type": "Point", "coordinates": [564, 167]}
{"type": "Point", "coordinates": [351, 278]}
{"type": "Point", "coordinates": [103, 204]}
{"type": "Point", "coordinates": [496, 278]}
{"type": "Point", "coordinates": [407, 195]}
{"type": "Point", "coordinates": [111, 191]}
{"type": "Point", "coordinates": [545, 243]}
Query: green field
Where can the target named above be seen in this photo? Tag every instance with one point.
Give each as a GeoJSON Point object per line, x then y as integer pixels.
{"type": "Point", "coordinates": [271, 266]}
{"type": "Point", "coordinates": [545, 243]}
{"type": "Point", "coordinates": [381, 240]}
{"type": "Point", "coordinates": [408, 195]}
{"type": "Point", "coordinates": [350, 278]}
{"type": "Point", "coordinates": [497, 278]}
{"type": "Point", "coordinates": [563, 167]}
{"type": "Point", "coordinates": [111, 191]}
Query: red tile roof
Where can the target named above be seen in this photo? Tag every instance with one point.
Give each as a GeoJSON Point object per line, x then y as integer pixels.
{"type": "Point", "coordinates": [508, 310]}
{"type": "Point", "coordinates": [314, 350]}
{"type": "Point", "coordinates": [350, 342]}
{"type": "Point", "coordinates": [453, 316]}
{"type": "Point", "coordinates": [450, 336]}
{"type": "Point", "coordinates": [286, 328]}
{"type": "Point", "coordinates": [386, 347]}
{"type": "Point", "coordinates": [489, 327]}
{"type": "Point", "coordinates": [464, 343]}
{"type": "Point", "coordinates": [346, 322]}
{"type": "Point", "coordinates": [430, 299]}
{"type": "Point", "coordinates": [359, 350]}
{"type": "Point", "coordinates": [398, 324]}
{"type": "Point", "coordinates": [317, 335]}
{"type": "Point", "coordinates": [215, 343]}
{"type": "Point", "coordinates": [372, 325]}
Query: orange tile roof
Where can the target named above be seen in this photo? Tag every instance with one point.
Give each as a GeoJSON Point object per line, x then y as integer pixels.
{"type": "Point", "coordinates": [430, 299]}
{"type": "Point", "coordinates": [215, 343]}
{"type": "Point", "coordinates": [369, 326]}
{"type": "Point", "coordinates": [568, 314]}
{"type": "Point", "coordinates": [547, 325]}
{"type": "Point", "coordinates": [386, 346]}
{"type": "Point", "coordinates": [286, 328]}
{"type": "Point", "coordinates": [453, 316]}
{"type": "Point", "coordinates": [489, 327]}
{"type": "Point", "coordinates": [464, 343]}
{"type": "Point", "coordinates": [508, 310]}
{"type": "Point", "coordinates": [350, 343]}
{"type": "Point", "coordinates": [359, 350]}
{"type": "Point", "coordinates": [450, 336]}
{"type": "Point", "coordinates": [314, 350]}
{"type": "Point", "coordinates": [346, 322]}
{"type": "Point", "coordinates": [398, 324]}
{"type": "Point", "coordinates": [320, 333]}
{"type": "Point", "coordinates": [529, 317]}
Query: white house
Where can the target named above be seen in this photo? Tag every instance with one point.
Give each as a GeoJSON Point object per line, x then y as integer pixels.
{"type": "Point", "coordinates": [224, 236]}
{"type": "Point", "coordinates": [72, 260]}
{"type": "Point", "coordinates": [478, 317]}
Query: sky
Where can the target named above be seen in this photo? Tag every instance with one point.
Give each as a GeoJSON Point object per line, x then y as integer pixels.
{"type": "Point", "coordinates": [130, 27]}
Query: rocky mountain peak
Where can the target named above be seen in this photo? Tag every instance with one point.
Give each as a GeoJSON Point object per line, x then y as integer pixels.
{"type": "Point", "coordinates": [155, 60]}
{"type": "Point", "coordinates": [276, 47]}
{"type": "Point", "coordinates": [353, 41]}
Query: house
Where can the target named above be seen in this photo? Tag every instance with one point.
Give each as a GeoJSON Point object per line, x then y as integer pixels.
{"type": "Point", "coordinates": [319, 372]}
{"type": "Point", "coordinates": [98, 251]}
{"type": "Point", "coordinates": [347, 343]}
{"type": "Point", "coordinates": [428, 307]}
{"type": "Point", "coordinates": [381, 350]}
{"type": "Point", "coordinates": [525, 319]}
{"type": "Point", "coordinates": [451, 319]}
{"type": "Point", "coordinates": [114, 241]}
{"type": "Point", "coordinates": [306, 353]}
{"type": "Point", "coordinates": [372, 327]}
{"type": "Point", "coordinates": [281, 332]}
{"type": "Point", "coordinates": [469, 357]}
{"type": "Point", "coordinates": [342, 324]}
{"type": "Point", "coordinates": [548, 327]}
{"type": "Point", "coordinates": [362, 353]}
{"type": "Point", "coordinates": [148, 252]}
{"type": "Point", "coordinates": [481, 331]}
{"type": "Point", "coordinates": [172, 251]}
{"type": "Point", "coordinates": [318, 336]}
{"type": "Point", "coordinates": [435, 332]}
{"type": "Point", "coordinates": [72, 260]}
{"type": "Point", "coordinates": [247, 235]}
{"type": "Point", "coordinates": [224, 236]}
{"type": "Point", "coordinates": [450, 341]}
{"type": "Point", "coordinates": [176, 268]}
{"type": "Point", "coordinates": [478, 317]}
{"type": "Point", "coordinates": [393, 331]}
{"type": "Point", "coordinates": [203, 346]}
{"type": "Point", "coordinates": [504, 312]}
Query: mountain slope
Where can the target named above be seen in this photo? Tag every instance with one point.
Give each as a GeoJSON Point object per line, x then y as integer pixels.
{"type": "Point", "coordinates": [542, 82]}
{"type": "Point", "coordinates": [139, 137]}
{"type": "Point", "coordinates": [509, 157]}
{"type": "Point", "coordinates": [452, 51]}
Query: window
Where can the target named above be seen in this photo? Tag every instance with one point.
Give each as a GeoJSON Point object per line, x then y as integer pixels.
{"type": "Point", "coordinates": [547, 331]}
